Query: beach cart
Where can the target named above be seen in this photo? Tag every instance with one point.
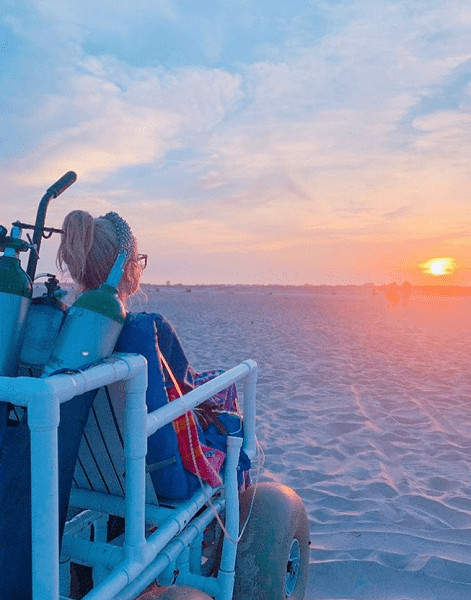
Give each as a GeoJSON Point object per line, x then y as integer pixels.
{"type": "Point", "coordinates": [119, 537]}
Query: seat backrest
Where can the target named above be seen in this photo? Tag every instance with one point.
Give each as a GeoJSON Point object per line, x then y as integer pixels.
{"type": "Point", "coordinates": [100, 464]}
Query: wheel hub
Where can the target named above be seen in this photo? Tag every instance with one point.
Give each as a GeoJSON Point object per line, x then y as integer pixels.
{"type": "Point", "coordinates": [292, 568]}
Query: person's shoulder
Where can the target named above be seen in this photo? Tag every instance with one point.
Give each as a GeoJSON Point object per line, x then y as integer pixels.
{"type": "Point", "coordinates": [137, 321]}
{"type": "Point", "coordinates": [137, 316]}
{"type": "Point", "coordinates": [139, 335]}
{"type": "Point", "coordinates": [142, 318]}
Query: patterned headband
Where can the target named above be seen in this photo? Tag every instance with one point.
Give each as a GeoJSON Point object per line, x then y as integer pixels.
{"type": "Point", "coordinates": [124, 234]}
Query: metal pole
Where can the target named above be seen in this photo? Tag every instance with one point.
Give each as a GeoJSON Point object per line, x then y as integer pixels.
{"type": "Point", "coordinates": [55, 190]}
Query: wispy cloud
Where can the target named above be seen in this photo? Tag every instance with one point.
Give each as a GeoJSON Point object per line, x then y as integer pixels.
{"type": "Point", "coordinates": [112, 117]}
{"type": "Point", "coordinates": [289, 127]}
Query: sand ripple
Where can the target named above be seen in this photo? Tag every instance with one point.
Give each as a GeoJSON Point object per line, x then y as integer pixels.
{"type": "Point", "coordinates": [366, 412]}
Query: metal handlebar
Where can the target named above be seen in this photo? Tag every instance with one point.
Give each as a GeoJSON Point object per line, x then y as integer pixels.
{"type": "Point", "coordinates": [52, 192]}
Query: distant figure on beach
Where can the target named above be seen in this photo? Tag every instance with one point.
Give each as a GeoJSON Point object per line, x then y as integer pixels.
{"type": "Point", "coordinates": [395, 293]}
{"type": "Point", "coordinates": [392, 293]}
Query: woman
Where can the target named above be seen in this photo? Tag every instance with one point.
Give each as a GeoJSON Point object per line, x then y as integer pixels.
{"type": "Point", "coordinates": [88, 250]}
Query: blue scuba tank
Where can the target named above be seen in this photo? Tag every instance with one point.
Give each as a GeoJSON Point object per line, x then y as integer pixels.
{"type": "Point", "coordinates": [15, 298]}
{"type": "Point", "coordinates": [45, 318]}
{"type": "Point", "coordinates": [92, 325]}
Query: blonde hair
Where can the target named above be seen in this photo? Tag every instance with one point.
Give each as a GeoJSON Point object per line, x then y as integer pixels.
{"type": "Point", "coordinates": [89, 248]}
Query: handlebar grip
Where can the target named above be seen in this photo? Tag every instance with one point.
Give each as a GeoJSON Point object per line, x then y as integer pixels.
{"type": "Point", "coordinates": [62, 184]}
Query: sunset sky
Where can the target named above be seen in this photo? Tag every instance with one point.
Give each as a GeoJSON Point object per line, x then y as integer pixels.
{"type": "Point", "coordinates": [270, 141]}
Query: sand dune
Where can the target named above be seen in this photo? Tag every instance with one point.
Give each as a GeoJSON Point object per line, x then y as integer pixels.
{"type": "Point", "coordinates": [365, 409]}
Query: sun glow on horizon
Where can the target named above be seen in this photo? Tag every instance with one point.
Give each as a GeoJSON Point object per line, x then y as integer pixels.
{"type": "Point", "coordinates": [439, 266]}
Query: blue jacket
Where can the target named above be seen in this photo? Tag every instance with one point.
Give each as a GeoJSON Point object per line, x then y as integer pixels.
{"type": "Point", "coordinates": [144, 333]}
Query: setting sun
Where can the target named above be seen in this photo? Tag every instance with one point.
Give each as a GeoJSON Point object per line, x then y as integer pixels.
{"type": "Point", "coordinates": [439, 266]}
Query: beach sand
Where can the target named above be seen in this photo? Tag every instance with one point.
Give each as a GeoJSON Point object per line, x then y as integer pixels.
{"type": "Point", "coordinates": [364, 408]}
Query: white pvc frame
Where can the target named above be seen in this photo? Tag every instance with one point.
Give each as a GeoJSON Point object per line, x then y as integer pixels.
{"type": "Point", "coordinates": [43, 397]}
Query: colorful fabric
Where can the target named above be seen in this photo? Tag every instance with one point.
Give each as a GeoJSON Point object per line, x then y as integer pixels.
{"type": "Point", "coordinates": [225, 399]}
{"type": "Point", "coordinates": [196, 457]}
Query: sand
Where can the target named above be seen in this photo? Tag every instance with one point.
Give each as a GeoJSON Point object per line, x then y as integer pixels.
{"type": "Point", "coordinates": [364, 408]}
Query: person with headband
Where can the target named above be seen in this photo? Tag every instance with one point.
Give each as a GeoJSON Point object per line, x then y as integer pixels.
{"type": "Point", "coordinates": [88, 250]}
{"type": "Point", "coordinates": [180, 455]}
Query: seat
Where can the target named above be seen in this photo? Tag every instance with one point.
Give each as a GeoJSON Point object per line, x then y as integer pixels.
{"type": "Point", "coordinates": [100, 463]}
{"type": "Point", "coordinates": [174, 529]}
{"type": "Point", "coordinates": [109, 483]}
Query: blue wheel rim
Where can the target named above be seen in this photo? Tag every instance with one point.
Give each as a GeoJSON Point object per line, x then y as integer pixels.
{"type": "Point", "coordinates": [292, 568]}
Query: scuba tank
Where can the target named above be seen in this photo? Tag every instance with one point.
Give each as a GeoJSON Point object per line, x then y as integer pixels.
{"type": "Point", "coordinates": [45, 318]}
{"type": "Point", "coordinates": [92, 325]}
{"type": "Point", "coordinates": [16, 290]}
{"type": "Point", "coordinates": [15, 297]}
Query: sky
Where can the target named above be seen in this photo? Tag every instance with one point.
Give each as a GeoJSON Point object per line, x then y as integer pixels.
{"type": "Point", "coordinates": [301, 142]}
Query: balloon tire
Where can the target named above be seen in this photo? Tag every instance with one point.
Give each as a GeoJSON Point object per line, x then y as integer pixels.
{"type": "Point", "coordinates": [276, 535]}
{"type": "Point", "coordinates": [176, 592]}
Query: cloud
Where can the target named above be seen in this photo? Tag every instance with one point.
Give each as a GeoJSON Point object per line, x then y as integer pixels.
{"type": "Point", "coordinates": [398, 213]}
{"type": "Point", "coordinates": [443, 132]}
{"type": "Point", "coordinates": [331, 117]}
{"type": "Point", "coordinates": [109, 117]}
{"type": "Point", "coordinates": [334, 103]}
{"type": "Point", "coordinates": [333, 122]}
